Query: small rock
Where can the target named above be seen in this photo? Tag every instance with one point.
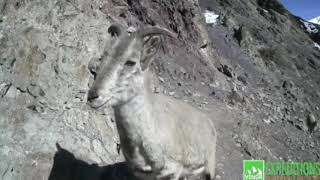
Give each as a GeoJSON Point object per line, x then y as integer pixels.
{"type": "Point", "coordinates": [156, 90]}
{"type": "Point", "coordinates": [118, 148]}
{"type": "Point", "coordinates": [251, 96]}
{"type": "Point", "coordinates": [220, 165]}
{"type": "Point", "coordinates": [67, 106]}
{"type": "Point", "coordinates": [235, 136]}
{"type": "Point", "coordinates": [288, 84]}
{"type": "Point", "coordinates": [35, 91]}
{"type": "Point", "coordinates": [36, 108]}
{"type": "Point", "coordinates": [34, 163]}
{"type": "Point", "coordinates": [204, 45]}
{"type": "Point", "coordinates": [171, 93]}
{"type": "Point", "coordinates": [267, 121]}
{"type": "Point", "coordinates": [123, 15]}
{"type": "Point", "coordinates": [213, 93]}
{"type": "Point", "coordinates": [12, 92]}
{"type": "Point", "coordinates": [4, 87]}
{"type": "Point", "coordinates": [235, 97]}
{"type": "Point", "coordinates": [79, 96]}
{"type": "Point", "coordinates": [238, 34]}
{"type": "Point", "coordinates": [311, 144]}
{"type": "Point", "coordinates": [210, 17]}
{"type": "Point", "coordinates": [214, 85]}
{"type": "Point", "coordinates": [311, 122]}
{"type": "Point", "coordinates": [131, 29]}
{"type": "Point", "coordinates": [177, 96]}
{"type": "Point", "coordinates": [226, 70]}
{"type": "Point", "coordinates": [183, 70]}
{"type": "Point", "coordinates": [267, 105]}
{"type": "Point", "coordinates": [218, 177]}
{"type": "Point", "coordinates": [1, 36]}
{"type": "Point", "coordinates": [195, 94]}
{"type": "Point", "coordinates": [242, 79]}
{"type": "Point", "coordinates": [311, 118]}
{"type": "Point", "coordinates": [161, 79]}
{"type": "Point", "coordinates": [262, 95]}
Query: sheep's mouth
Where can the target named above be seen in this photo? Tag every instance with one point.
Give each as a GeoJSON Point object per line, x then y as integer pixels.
{"type": "Point", "coordinates": [99, 103]}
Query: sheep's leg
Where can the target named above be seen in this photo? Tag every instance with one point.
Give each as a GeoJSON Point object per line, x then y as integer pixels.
{"type": "Point", "coordinates": [143, 176]}
{"type": "Point", "coordinates": [172, 171]}
{"type": "Point", "coordinates": [177, 175]}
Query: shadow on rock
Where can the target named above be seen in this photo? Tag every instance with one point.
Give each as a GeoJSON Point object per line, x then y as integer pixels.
{"type": "Point", "coordinates": [67, 167]}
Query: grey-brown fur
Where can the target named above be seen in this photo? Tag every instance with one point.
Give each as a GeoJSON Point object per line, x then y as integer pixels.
{"type": "Point", "coordinates": [161, 137]}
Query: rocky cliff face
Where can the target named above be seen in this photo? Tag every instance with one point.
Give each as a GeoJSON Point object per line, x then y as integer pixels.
{"type": "Point", "coordinates": [255, 72]}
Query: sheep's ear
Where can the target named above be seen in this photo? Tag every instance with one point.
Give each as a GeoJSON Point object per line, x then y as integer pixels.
{"type": "Point", "coordinates": [150, 47]}
{"type": "Point", "coordinates": [115, 30]}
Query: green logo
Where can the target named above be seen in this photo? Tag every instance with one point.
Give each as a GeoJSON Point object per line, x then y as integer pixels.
{"type": "Point", "coordinates": [253, 170]}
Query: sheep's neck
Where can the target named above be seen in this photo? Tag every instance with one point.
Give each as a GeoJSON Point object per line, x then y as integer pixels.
{"type": "Point", "coordinates": [133, 117]}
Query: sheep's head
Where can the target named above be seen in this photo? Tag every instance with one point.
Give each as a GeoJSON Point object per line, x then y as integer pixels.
{"type": "Point", "coordinates": [119, 73]}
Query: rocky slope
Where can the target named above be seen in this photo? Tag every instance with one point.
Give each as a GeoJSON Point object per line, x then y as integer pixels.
{"type": "Point", "coordinates": [255, 72]}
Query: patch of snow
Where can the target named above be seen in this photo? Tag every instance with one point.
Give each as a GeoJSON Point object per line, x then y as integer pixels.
{"type": "Point", "coordinates": [211, 17]}
{"type": "Point", "coordinates": [309, 27]}
{"type": "Point", "coordinates": [317, 46]}
{"type": "Point", "coordinates": [315, 20]}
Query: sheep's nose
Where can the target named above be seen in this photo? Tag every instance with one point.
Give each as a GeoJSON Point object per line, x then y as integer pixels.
{"type": "Point", "coordinates": [92, 95]}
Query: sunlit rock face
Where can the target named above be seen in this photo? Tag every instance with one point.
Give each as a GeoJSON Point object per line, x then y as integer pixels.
{"type": "Point", "coordinates": [255, 72]}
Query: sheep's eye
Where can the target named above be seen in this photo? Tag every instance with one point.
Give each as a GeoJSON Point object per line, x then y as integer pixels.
{"type": "Point", "coordinates": [130, 63]}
